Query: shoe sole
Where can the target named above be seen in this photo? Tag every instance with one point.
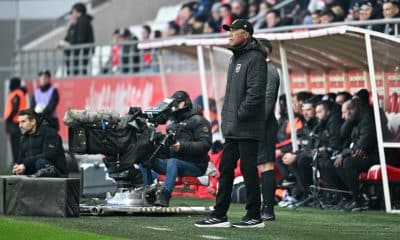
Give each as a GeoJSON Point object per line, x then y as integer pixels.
{"type": "Point", "coordinates": [259, 225]}
{"type": "Point", "coordinates": [217, 225]}
{"type": "Point", "coordinates": [268, 219]}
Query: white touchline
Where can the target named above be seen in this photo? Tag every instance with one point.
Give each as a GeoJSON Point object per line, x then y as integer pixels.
{"type": "Point", "coordinates": [158, 228]}
{"type": "Point", "coordinates": [211, 237]}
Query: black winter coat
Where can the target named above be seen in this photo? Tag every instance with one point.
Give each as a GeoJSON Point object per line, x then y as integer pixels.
{"type": "Point", "coordinates": [243, 112]}
{"type": "Point", "coordinates": [363, 135]}
{"type": "Point", "coordinates": [44, 143]}
{"type": "Point", "coordinates": [193, 132]}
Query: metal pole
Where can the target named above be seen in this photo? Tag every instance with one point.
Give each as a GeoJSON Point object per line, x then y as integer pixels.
{"type": "Point", "coordinates": [286, 80]}
{"type": "Point", "coordinates": [216, 86]}
{"type": "Point", "coordinates": [17, 27]}
{"type": "Point", "coordinates": [378, 125]}
{"type": "Point", "coordinates": [163, 74]}
{"type": "Point", "coordinates": [202, 71]}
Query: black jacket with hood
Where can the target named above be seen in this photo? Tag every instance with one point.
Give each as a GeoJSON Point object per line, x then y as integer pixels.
{"type": "Point", "coordinates": [243, 112]}
{"type": "Point", "coordinates": [193, 132]}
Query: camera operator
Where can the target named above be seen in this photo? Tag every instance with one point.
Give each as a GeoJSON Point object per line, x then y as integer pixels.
{"type": "Point", "coordinates": [41, 152]}
{"type": "Point", "coordinates": [188, 154]}
{"type": "Point", "coordinates": [360, 154]}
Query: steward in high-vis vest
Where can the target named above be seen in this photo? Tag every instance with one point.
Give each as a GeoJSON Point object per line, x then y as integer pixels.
{"type": "Point", "coordinates": [16, 101]}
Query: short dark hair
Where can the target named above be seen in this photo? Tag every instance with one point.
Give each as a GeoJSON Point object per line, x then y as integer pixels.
{"type": "Point", "coordinates": [345, 94]}
{"type": "Point", "coordinates": [275, 12]}
{"type": "Point", "coordinates": [79, 7]}
{"type": "Point", "coordinates": [44, 72]}
{"type": "Point", "coordinates": [147, 27]}
{"type": "Point", "coordinates": [28, 112]}
{"type": "Point", "coordinates": [325, 104]}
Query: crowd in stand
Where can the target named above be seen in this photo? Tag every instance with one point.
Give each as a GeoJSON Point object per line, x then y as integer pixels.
{"type": "Point", "coordinates": [207, 16]}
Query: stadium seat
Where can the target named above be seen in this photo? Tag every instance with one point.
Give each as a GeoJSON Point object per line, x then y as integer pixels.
{"type": "Point", "coordinates": [375, 173]}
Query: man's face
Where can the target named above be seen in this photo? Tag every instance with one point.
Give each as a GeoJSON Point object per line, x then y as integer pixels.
{"type": "Point", "coordinates": [237, 8]}
{"type": "Point", "coordinates": [326, 19]}
{"type": "Point", "coordinates": [297, 105]}
{"type": "Point", "coordinates": [340, 99]}
{"type": "Point", "coordinates": [272, 19]}
{"type": "Point", "coordinates": [308, 111]}
{"type": "Point", "coordinates": [44, 79]}
{"type": "Point", "coordinates": [145, 34]}
{"type": "Point", "coordinates": [353, 113]}
{"type": "Point", "coordinates": [237, 37]}
{"type": "Point", "coordinates": [321, 113]}
{"type": "Point", "coordinates": [25, 125]}
{"type": "Point", "coordinates": [365, 12]}
{"type": "Point", "coordinates": [345, 111]}
{"type": "Point", "coordinates": [390, 10]}
{"type": "Point", "coordinates": [315, 18]}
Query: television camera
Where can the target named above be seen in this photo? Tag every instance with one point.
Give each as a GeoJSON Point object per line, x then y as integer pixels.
{"type": "Point", "coordinates": [125, 142]}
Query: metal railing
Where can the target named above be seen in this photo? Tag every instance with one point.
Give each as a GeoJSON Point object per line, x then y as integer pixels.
{"type": "Point", "coordinates": [94, 59]}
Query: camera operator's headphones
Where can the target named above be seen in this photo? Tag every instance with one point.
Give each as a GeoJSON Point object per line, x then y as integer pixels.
{"type": "Point", "coordinates": [182, 96]}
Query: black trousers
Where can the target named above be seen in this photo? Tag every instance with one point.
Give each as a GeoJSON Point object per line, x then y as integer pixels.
{"type": "Point", "coordinates": [302, 169]}
{"type": "Point", "coordinates": [247, 151]}
{"type": "Point", "coordinates": [350, 170]}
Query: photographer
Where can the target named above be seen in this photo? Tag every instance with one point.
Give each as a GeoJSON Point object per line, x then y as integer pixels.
{"type": "Point", "coordinates": [188, 154]}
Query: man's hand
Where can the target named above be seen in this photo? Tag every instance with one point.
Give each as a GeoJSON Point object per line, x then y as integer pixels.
{"type": "Point", "coordinates": [18, 169]}
{"type": "Point", "coordinates": [338, 162]}
{"type": "Point", "coordinates": [289, 158]}
{"type": "Point", "coordinates": [176, 147]}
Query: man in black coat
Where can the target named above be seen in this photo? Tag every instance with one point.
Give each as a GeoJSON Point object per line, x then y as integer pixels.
{"type": "Point", "coordinates": [361, 154]}
{"type": "Point", "coordinates": [243, 123]}
{"type": "Point", "coordinates": [41, 152]}
{"type": "Point", "coordinates": [188, 156]}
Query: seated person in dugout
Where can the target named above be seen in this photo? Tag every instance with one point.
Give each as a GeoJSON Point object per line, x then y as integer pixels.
{"type": "Point", "coordinates": [41, 152]}
{"type": "Point", "coordinates": [188, 155]}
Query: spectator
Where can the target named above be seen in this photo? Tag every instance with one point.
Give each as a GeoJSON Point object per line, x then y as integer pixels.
{"type": "Point", "coordinates": [327, 16]}
{"type": "Point", "coordinates": [171, 30]}
{"type": "Point", "coordinates": [315, 17]}
{"type": "Point", "coordinates": [369, 11]}
{"type": "Point", "coordinates": [130, 58]}
{"type": "Point", "coordinates": [391, 10]}
{"type": "Point", "coordinates": [239, 9]}
{"type": "Point", "coordinates": [272, 19]}
{"type": "Point", "coordinates": [253, 10]}
{"type": "Point", "coordinates": [186, 16]}
{"type": "Point", "coordinates": [68, 39]}
{"type": "Point", "coordinates": [116, 50]}
{"type": "Point", "coordinates": [83, 34]}
{"type": "Point", "coordinates": [210, 27]}
{"type": "Point", "coordinates": [41, 153]}
{"type": "Point", "coordinates": [45, 100]}
{"type": "Point", "coordinates": [145, 32]}
{"type": "Point", "coordinates": [226, 15]}
{"type": "Point", "coordinates": [216, 18]}
{"type": "Point", "coordinates": [15, 102]}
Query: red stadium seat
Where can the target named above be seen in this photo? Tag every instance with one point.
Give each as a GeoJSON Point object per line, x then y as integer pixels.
{"type": "Point", "coordinates": [375, 173]}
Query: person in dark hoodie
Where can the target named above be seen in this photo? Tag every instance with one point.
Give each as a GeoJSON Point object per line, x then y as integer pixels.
{"type": "Point", "coordinates": [243, 125]}
{"type": "Point", "coordinates": [41, 153]}
{"type": "Point", "coordinates": [188, 155]}
{"type": "Point", "coordinates": [16, 101]}
{"type": "Point", "coordinates": [82, 34]}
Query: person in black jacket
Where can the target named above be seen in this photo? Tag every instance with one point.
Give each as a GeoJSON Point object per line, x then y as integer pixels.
{"type": "Point", "coordinates": [80, 31]}
{"type": "Point", "coordinates": [189, 153]}
{"type": "Point", "coordinates": [361, 154]}
{"type": "Point", "coordinates": [266, 149]}
{"type": "Point", "coordinates": [243, 124]}
{"type": "Point", "coordinates": [41, 152]}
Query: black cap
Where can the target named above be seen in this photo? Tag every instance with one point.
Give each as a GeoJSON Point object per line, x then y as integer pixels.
{"type": "Point", "coordinates": [44, 72]}
{"type": "Point", "coordinates": [239, 24]}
